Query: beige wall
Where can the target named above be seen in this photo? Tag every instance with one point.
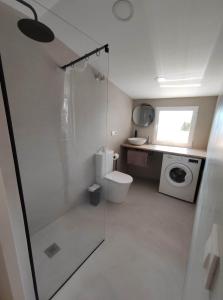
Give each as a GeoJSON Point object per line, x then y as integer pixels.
{"type": "Point", "coordinates": [205, 115]}
{"type": "Point", "coordinates": [119, 117]}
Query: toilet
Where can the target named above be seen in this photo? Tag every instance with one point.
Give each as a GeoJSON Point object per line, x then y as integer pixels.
{"type": "Point", "coordinates": [115, 184]}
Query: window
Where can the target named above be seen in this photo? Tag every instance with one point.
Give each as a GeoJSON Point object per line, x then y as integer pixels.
{"type": "Point", "coordinates": [174, 126]}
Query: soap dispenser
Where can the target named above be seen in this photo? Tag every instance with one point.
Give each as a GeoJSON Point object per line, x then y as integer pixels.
{"type": "Point", "coordinates": [136, 133]}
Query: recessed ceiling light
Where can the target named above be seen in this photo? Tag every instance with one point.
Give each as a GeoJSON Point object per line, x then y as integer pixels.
{"type": "Point", "coordinates": [192, 85]}
{"type": "Point", "coordinates": [163, 79]}
{"type": "Point", "coordinates": [123, 10]}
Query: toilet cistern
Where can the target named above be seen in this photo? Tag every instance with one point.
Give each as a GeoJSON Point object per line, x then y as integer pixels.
{"type": "Point", "coordinates": [114, 183]}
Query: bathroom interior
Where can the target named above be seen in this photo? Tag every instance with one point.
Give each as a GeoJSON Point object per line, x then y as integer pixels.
{"type": "Point", "coordinates": [111, 160]}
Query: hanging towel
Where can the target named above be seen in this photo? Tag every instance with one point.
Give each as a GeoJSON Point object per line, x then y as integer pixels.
{"type": "Point", "coordinates": [137, 158]}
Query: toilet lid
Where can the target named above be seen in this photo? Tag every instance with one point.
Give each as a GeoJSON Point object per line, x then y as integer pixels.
{"type": "Point", "coordinates": [119, 177]}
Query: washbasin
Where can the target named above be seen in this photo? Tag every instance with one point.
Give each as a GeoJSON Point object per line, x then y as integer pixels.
{"type": "Point", "coordinates": [137, 141]}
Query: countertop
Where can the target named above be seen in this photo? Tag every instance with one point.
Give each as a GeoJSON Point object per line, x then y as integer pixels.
{"type": "Point", "coordinates": [168, 149]}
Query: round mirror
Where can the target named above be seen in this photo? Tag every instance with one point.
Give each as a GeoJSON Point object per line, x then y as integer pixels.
{"type": "Point", "coordinates": [143, 115]}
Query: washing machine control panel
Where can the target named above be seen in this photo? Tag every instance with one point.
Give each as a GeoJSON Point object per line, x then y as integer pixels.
{"type": "Point", "coordinates": [194, 161]}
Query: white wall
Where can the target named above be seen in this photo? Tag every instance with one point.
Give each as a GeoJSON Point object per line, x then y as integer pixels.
{"type": "Point", "coordinates": [209, 212]}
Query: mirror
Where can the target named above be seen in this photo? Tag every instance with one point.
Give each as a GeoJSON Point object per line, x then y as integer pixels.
{"type": "Point", "coordinates": [143, 115]}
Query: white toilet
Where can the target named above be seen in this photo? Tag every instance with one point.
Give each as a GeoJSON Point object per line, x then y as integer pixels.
{"type": "Point", "coordinates": [115, 184]}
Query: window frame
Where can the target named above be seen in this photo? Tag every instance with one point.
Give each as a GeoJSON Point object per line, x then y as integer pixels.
{"type": "Point", "coordinates": [158, 109]}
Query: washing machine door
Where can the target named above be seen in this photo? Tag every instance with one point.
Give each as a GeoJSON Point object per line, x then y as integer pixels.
{"type": "Point", "coordinates": [178, 174]}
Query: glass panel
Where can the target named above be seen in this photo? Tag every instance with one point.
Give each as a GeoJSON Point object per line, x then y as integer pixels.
{"type": "Point", "coordinates": [63, 244]}
{"type": "Point", "coordinates": [59, 119]}
{"type": "Point", "coordinates": [177, 175]}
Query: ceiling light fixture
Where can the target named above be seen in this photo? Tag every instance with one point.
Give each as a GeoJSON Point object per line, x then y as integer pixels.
{"type": "Point", "coordinates": [163, 79]}
{"type": "Point", "coordinates": [192, 85]}
{"type": "Point", "coordinates": [160, 79]}
{"type": "Point", "coordinates": [123, 10]}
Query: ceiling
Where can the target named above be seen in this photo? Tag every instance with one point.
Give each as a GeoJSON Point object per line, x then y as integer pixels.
{"type": "Point", "coordinates": [168, 38]}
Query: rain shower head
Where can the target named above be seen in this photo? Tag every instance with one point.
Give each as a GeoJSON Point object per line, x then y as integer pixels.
{"type": "Point", "coordinates": [36, 30]}
{"type": "Point", "coordinates": [33, 28]}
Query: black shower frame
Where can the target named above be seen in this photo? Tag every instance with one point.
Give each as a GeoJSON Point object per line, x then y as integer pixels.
{"type": "Point", "coordinates": [18, 176]}
{"type": "Point", "coordinates": [96, 51]}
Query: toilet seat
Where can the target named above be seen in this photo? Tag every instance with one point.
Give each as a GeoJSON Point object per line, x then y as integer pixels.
{"type": "Point", "coordinates": [119, 177]}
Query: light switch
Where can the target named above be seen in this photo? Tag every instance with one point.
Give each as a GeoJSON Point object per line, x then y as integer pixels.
{"type": "Point", "coordinates": [114, 132]}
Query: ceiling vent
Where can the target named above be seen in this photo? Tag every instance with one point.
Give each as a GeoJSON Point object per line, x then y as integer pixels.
{"type": "Point", "coordinates": [123, 10]}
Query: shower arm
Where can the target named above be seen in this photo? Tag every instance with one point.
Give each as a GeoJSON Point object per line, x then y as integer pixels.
{"type": "Point", "coordinates": [30, 7]}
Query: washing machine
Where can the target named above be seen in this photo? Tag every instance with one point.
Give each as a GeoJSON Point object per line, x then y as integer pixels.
{"type": "Point", "coordinates": [179, 176]}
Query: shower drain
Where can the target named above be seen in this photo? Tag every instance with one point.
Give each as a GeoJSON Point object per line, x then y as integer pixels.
{"type": "Point", "coordinates": [52, 250]}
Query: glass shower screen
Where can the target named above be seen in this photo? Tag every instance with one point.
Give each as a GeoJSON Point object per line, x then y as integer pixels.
{"type": "Point", "coordinates": [59, 120]}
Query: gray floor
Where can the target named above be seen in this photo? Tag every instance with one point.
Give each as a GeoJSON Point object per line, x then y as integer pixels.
{"type": "Point", "coordinates": [145, 253]}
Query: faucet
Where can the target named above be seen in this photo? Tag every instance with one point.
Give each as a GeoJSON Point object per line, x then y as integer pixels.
{"type": "Point", "coordinates": [136, 133]}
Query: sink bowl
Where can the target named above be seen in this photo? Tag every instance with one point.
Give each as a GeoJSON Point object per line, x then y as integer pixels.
{"type": "Point", "coordinates": [136, 141]}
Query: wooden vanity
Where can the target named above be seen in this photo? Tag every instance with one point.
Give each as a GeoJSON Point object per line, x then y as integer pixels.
{"type": "Point", "coordinates": [153, 169]}
{"type": "Point", "coordinates": [168, 149]}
